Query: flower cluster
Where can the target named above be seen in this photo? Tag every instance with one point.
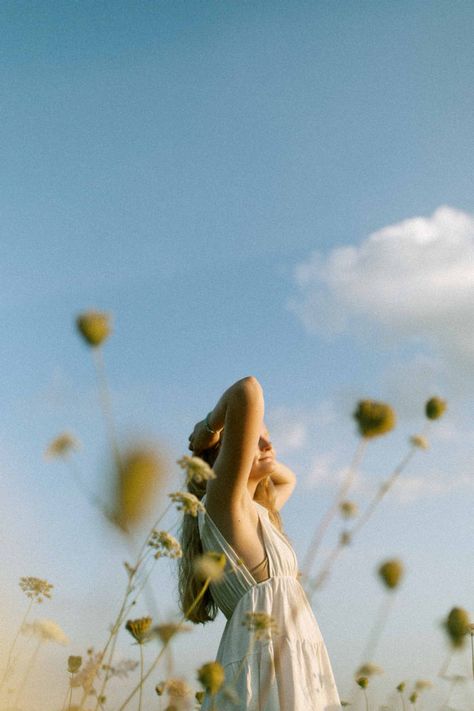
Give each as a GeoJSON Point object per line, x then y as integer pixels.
{"type": "Point", "coordinates": [36, 588]}
{"type": "Point", "coordinates": [165, 545]}
{"type": "Point", "coordinates": [374, 418]}
{"type": "Point", "coordinates": [261, 624]}
{"type": "Point", "coordinates": [196, 469]}
{"type": "Point", "coordinates": [188, 503]}
{"type": "Point", "coordinates": [139, 629]}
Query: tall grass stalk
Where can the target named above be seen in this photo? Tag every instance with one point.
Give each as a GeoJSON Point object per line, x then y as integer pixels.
{"type": "Point", "coordinates": [13, 644]}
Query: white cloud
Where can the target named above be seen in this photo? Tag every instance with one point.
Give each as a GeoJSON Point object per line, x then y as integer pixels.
{"type": "Point", "coordinates": [291, 428]}
{"type": "Point", "coordinates": [411, 280]}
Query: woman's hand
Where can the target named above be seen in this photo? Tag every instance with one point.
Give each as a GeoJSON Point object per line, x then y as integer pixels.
{"type": "Point", "coordinates": [201, 438]}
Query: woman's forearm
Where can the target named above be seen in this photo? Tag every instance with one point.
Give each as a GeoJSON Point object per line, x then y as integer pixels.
{"type": "Point", "coordinates": [245, 388]}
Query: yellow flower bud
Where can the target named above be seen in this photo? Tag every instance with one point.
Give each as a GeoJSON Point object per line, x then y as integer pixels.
{"type": "Point", "coordinates": [401, 687]}
{"type": "Point", "coordinates": [363, 682]}
{"type": "Point", "coordinates": [457, 626]}
{"type": "Point", "coordinates": [374, 418]}
{"type": "Point", "coordinates": [211, 676]}
{"type": "Point", "coordinates": [434, 408]}
{"type": "Point", "coordinates": [94, 327]}
{"type": "Point", "coordinates": [74, 664]}
{"type": "Point", "coordinates": [391, 571]}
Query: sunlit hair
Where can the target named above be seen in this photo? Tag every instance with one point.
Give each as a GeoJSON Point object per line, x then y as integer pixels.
{"type": "Point", "coordinates": [188, 585]}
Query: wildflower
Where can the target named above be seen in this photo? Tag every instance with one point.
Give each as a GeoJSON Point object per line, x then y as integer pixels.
{"type": "Point", "coordinates": [434, 408]}
{"type": "Point", "coordinates": [87, 675]}
{"type": "Point", "coordinates": [137, 485]}
{"type": "Point", "coordinates": [419, 441]}
{"type": "Point", "coordinates": [196, 469]}
{"type": "Point", "coordinates": [36, 588]}
{"type": "Point", "coordinates": [74, 664]}
{"type": "Point", "coordinates": [261, 624]}
{"type": "Point", "coordinates": [94, 327]}
{"type": "Point", "coordinates": [211, 676]}
{"type": "Point", "coordinates": [423, 684]}
{"type": "Point", "coordinates": [46, 630]}
{"type": "Point", "coordinates": [187, 502]}
{"type": "Point", "coordinates": [413, 697]}
{"type": "Point", "coordinates": [401, 687]}
{"type": "Point", "coordinates": [391, 571]}
{"type": "Point", "coordinates": [168, 630]}
{"type": "Point", "coordinates": [363, 682]}
{"type": "Point", "coordinates": [139, 628]}
{"type": "Point", "coordinates": [374, 418]}
{"type": "Point", "coordinates": [210, 565]}
{"type": "Point", "coordinates": [165, 545]}
{"type": "Point", "coordinates": [61, 446]}
{"type": "Point", "coordinates": [348, 509]}
{"type": "Point", "coordinates": [457, 626]}
{"type": "Point", "coordinates": [369, 669]}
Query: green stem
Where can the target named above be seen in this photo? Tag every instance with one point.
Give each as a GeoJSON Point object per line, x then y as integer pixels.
{"type": "Point", "coordinates": [13, 644]}
{"type": "Point", "coordinates": [157, 659]}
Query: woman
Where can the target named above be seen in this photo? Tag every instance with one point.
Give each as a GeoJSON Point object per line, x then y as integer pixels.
{"type": "Point", "coordinates": [272, 650]}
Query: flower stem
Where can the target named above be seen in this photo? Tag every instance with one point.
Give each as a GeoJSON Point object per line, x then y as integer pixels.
{"type": "Point", "coordinates": [141, 679]}
{"type": "Point", "coordinates": [13, 644]}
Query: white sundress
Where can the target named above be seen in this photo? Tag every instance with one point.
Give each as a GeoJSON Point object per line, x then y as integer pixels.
{"type": "Point", "coordinates": [287, 669]}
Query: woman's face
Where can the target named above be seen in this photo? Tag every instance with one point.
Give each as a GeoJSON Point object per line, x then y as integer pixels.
{"type": "Point", "coordinates": [264, 458]}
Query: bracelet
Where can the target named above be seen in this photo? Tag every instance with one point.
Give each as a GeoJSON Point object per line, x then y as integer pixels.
{"type": "Point", "coordinates": [208, 428]}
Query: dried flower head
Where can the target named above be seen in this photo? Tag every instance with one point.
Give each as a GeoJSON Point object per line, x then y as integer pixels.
{"type": "Point", "coordinates": [73, 664]}
{"type": "Point", "coordinates": [196, 469]}
{"type": "Point", "coordinates": [89, 672]}
{"type": "Point", "coordinates": [188, 503]}
{"type": "Point", "coordinates": [46, 630]}
{"type": "Point", "coordinates": [94, 327]}
{"type": "Point", "coordinates": [168, 630]}
{"type": "Point", "coordinates": [211, 676]}
{"type": "Point", "coordinates": [391, 572]}
{"type": "Point", "coordinates": [374, 418]}
{"type": "Point", "coordinates": [457, 626]}
{"type": "Point", "coordinates": [139, 629]}
{"type": "Point", "coordinates": [61, 446]}
{"type": "Point", "coordinates": [401, 687]}
{"type": "Point", "coordinates": [165, 545]}
{"type": "Point", "coordinates": [422, 684]}
{"type": "Point", "coordinates": [348, 509]}
{"type": "Point", "coordinates": [419, 441]}
{"type": "Point", "coordinates": [435, 408]}
{"type": "Point", "coordinates": [210, 566]}
{"type": "Point", "coordinates": [413, 697]}
{"type": "Point", "coordinates": [36, 588]}
{"type": "Point", "coordinates": [261, 624]}
{"type": "Point", "coordinates": [137, 485]}
{"type": "Point", "coordinates": [363, 682]}
{"type": "Point", "coordinates": [369, 669]}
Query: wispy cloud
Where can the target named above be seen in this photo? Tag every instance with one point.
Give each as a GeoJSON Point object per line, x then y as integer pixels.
{"type": "Point", "coordinates": [413, 280]}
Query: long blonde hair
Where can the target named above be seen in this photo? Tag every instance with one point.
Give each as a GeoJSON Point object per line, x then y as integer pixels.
{"type": "Point", "coordinates": [188, 585]}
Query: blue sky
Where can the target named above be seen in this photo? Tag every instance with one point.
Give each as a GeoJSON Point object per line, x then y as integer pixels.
{"type": "Point", "coordinates": [238, 184]}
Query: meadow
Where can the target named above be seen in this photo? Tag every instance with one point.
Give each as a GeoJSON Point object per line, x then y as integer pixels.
{"type": "Point", "coordinates": [99, 678]}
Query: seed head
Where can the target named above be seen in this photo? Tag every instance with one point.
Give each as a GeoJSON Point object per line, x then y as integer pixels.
{"type": "Point", "coordinates": [391, 572]}
{"type": "Point", "coordinates": [73, 664]}
{"type": "Point", "coordinates": [36, 588]}
{"type": "Point", "coordinates": [348, 509]}
{"type": "Point", "coordinates": [369, 669]}
{"type": "Point", "coordinates": [374, 418]}
{"type": "Point", "coordinates": [137, 485]}
{"type": "Point", "coordinates": [457, 626]}
{"type": "Point", "coordinates": [197, 470]}
{"type": "Point", "coordinates": [139, 629]}
{"type": "Point", "coordinates": [61, 446]}
{"type": "Point", "coordinates": [211, 676]}
{"type": "Point", "coordinates": [435, 408]}
{"type": "Point", "coordinates": [165, 545]}
{"type": "Point", "coordinates": [261, 624]}
{"type": "Point", "coordinates": [210, 565]}
{"type": "Point", "coordinates": [363, 682]}
{"type": "Point", "coordinates": [46, 630]}
{"type": "Point", "coordinates": [419, 441]}
{"type": "Point", "coordinates": [401, 687]}
{"type": "Point", "coordinates": [413, 697]}
{"type": "Point", "coordinates": [94, 327]}
{"type": "Point", "coordinates": [188, 503]}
